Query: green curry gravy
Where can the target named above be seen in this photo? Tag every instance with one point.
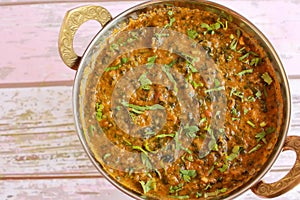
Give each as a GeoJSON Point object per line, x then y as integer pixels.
{"type": "Point", "coordinates": [237, 108]}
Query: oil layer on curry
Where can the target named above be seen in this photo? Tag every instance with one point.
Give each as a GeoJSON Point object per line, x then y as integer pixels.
{"type": "Point", "coordinates": [188, 105]}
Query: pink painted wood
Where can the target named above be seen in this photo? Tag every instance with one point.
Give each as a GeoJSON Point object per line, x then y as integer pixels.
{"type": "Point", "coordinates": [40, 155]}
{"type": "Point", "coordinates": [29, 34]}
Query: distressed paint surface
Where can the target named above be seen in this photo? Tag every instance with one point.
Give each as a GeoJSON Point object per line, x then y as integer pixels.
{"type": "Point", "coordinates": [41, 156]}
{"type": "Point", "coordinates": [29, 34]}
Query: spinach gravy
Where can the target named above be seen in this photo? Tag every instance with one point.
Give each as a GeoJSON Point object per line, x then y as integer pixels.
{"type": "Point", "coordinates": [188, 105]}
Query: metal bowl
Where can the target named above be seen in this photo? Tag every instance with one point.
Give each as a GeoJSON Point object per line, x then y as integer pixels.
{"type": "Point", "coordinates": [86, 77]}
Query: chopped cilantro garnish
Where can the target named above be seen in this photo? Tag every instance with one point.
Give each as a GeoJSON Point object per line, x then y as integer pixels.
{"type": "Point", "coordinates": [146, 161]}
{"type": "Point", "coordinates": [124, 60]}
{"type": "Point", "coordinates": [217, 82]}
{"type": "Point", "coordinates": [140, 109]}
{"type": "Point", "coordinates": [241, 50]}
{"type": "Point", "coordinates": [251, 124]}
{"type": "Point", "coordinates": [270, 130]}
{"type": "Point", "coordinates": [140, 149]}
{"type": "Point", "coordinates": [223, 168]}
{"type": "Point", "coordinates": [158, 36]}
{"type": "Point", "coordinates": [250, 99]}
{"type": "Point", "coordinates": [192, 34]}
{"type": "Point", "coordinates": [244, 56]}
{"type": "Point", "coordinates": [175, 189]}
{"type": "Point", "coordinates": [235, 152]}
{"type": "Point", "coordinates": [212, 145]}
{"type": "Point", "coordinates": [261, 136]}
{"type": "Point", "coordinates": [235, 41]}
{"type": "Point", "coordinates": [255, 61]}
{"type": "Point", "coordinates": [266, 77]}
{"type": "Point", "coordinates": [172, 63]}
{"type": "Point", "coordinates": [202, 120]}
{"type": "Point", "coordinates": [151, 61]}
{"type": "Point", "coordinates": [180, 197]}
{"type": "Point", "coordinates": [215, 89]}
{"type": "Point", "coordinates": [211, 170]}
{"type": "Point", "coordinates": [262, 124]}
{"type": "Point", "coordinates": [196, 85]}
{"type": "Point", "coordinates": [235, 119]}
{"type": "Point", "coordinates": [191, 67]}
{"type": "Point", "coordinates": [145, 82]}
{"type": "Point", "coordinates": [128, 143]}
{"type": "Point", "coordinates": [106, 156]}
{"type": "Point", "coordinates": [165, 69]}
{"type": "Point", "coordinates": [237, 93]}
{"type": "Point", "coordinates": [165, 135]}
{"type": "Point", "coordinates": [92, 129]}
{"type": "Point", "coordinates": [170, 12]}
{"type": "Point", "coordinates": [186, 149]}
{"type": "Point", "coordinates": [112, 68]}
{"type": "Point", "coordinates": [215, 193]}
{"type": "Point", "coordinates": [247, 71]}
{"type": "Point", "coordinates": [190, 158]}
{"type": "Point", "coordinates": [224, 25]}
{"type": "Point", "coordinates": [99, 114]}
{"type": "Point", "coordinates": [191, 130]}
{"type": "Point", "coordinates": [187, 175]}
{"type": "Point", "coordinates": [255, 148]}
{"type": "Point", "coordinates": [198, 194]}
{"type": "Point", "coordinates": [211, 28]}
{"type": "Point", "coordinates": [114, 47]}
{"type": "Point", "coordinates": [234, 111]}
{"type": "Point", "coordinates": [172, 20]}
{"type": "Point", "coordinates": [258, 94]}
{"type": "Point", "coordinates": [149, 185]}
{"type": "Point", "coordinates": [233, 44]}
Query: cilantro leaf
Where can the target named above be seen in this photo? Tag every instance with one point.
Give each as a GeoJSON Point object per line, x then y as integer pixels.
{"type": "Point", "coordinates": [234, 154]}
{"type": "Point", "coordinates": [140, 109]}
{"type": "Point", "coordinates": [255, 148]}
{"type": "Point", "coordinates": [165, 69]}
{"type": "Point", "coordinates": [99, 109]}
{"type": "Point", "coordinates": [151, 61]}
{"type": "Point", "coordinates": [247, 71]}
{"type": "Point", "coordinates": [191, 130]}
{"type": "Point", "coordinates": [187, 175]}
{"type": "Point", "coordinates": [149, 185]}
{"type": "Point", "coordinates": [192, 34]}
{"type": "Point", "coordinates": [266, 77]}
{"type": "Point", "coordinates": [145, 82]}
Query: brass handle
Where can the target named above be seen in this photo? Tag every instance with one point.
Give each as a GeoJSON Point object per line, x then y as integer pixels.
{"type": "Point", "coordinates": [288, 182]}
{"type": "Point", "coordinates": [72, 21]}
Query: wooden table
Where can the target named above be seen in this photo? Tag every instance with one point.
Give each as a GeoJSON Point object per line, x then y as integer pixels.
{"type": "Point", "coordinates": [40, 154]}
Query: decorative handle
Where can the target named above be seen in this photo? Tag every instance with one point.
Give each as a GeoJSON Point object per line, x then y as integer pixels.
{"type": "Point", "coordinates": [72, 21]}
{"type": "Point", "coordinates": [285, 184]}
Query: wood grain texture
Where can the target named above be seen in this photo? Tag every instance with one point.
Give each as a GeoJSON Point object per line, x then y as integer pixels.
{"type": "Point", "coordinates": [42, 153]}
{"type": "Point", "coordinates": [38, 135]}
{"type": "Point", "coordinates": [29, 34]}
{"type": "Point", "coordinates": [84, 189]}
{"type": "Point", "coordinates": [41, 156]}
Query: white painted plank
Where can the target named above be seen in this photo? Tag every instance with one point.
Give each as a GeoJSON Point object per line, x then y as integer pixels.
{"type": "Point", "coordinates": [86, 189]}
{"type": "Point", "coordinates": [40, 155]}
{"type": "Point", "coordinates": [37, 133]}
{"type": "Point", "coordinates": [38, 140]}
